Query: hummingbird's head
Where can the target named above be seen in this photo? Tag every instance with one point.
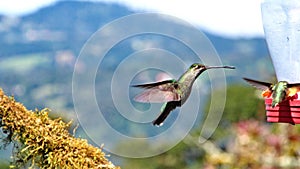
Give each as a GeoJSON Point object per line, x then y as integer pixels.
{"type": "Point", "coordinates": [198, 68]}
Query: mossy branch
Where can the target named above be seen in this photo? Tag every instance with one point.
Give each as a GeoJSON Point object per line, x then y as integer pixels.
{"type": "Point", "coordinates": [43, 142]}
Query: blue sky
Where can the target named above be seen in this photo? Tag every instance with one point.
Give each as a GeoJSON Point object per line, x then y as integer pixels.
{"type": "Point", "coordinates": [234, 18]}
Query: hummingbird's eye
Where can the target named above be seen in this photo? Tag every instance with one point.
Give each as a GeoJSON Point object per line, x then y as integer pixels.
{"type": "Point", "coordinates": [195, 65]}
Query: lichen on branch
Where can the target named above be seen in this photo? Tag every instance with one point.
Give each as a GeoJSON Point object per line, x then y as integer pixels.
{"type": "Point", "coordinates": [45, 143]}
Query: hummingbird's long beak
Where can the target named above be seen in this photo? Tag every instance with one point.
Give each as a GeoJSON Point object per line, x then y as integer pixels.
{"type": "Point", "coordinates": [216, 67]}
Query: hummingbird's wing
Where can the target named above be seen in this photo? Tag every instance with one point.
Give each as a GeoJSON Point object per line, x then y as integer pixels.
{"type": "Point", "coordinates": [292, 89]}
{"type": "Point", "coordinates": [258, 84]}
{"type": "Point", "coordinates": [297, 85]}
{"type": "Point", "coordinates": [151, 85]}
{"type": "Point", "coordinates": [159, 92]}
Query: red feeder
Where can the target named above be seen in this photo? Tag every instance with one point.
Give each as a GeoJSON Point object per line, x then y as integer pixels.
{"type": "Point", "coordinates": [287, 111]}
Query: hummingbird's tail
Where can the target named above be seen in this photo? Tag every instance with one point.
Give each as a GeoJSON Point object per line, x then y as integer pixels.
{"type": "Point", "coordinates": [165, 112]}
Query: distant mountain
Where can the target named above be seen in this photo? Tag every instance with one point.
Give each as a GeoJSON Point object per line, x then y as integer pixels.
{"type": "Point", "coordinates": [59, 31]}
{"type": "Point", "coordinates": [55, 35]}
{"type": "Point", "coordinates": [64, 25]}
{"type": "Point", "coordinates": [68, 24]}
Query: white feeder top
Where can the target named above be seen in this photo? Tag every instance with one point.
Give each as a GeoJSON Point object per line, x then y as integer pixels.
{"type": "Point", "coordinates": [281, 21]}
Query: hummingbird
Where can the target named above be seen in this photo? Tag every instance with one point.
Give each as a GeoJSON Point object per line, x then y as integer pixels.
{"type": "Point", "coordinates": [279, 91]}
{"type": "Point", "coordinates": [173, 93]}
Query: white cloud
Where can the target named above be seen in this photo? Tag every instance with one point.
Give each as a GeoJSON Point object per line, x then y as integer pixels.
{"type": "Point", "coordinates": [17, 7]}
{"type": "Point", "coordinates": [230, 17]}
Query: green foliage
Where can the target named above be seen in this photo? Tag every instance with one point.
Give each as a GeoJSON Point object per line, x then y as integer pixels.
{"type": "Point", "coordinates": [4, 164]}
{"type": "Point", "coordinates": [242, 103]}
{"type": "Point", "coordinates": [182, 156]}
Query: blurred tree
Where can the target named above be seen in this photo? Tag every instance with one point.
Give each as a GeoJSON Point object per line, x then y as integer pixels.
{"type": "Point", "coordinates": [242, 103]}
{"type": "Point", "coordinates": [184, 155]}
{"type": "Point", "coordinates": [4, 164]}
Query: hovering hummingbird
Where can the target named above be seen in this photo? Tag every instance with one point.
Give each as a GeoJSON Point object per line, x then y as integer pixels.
{"type": "Point", "coordinates": [278, 92]}
{"type": "Point", "coordinates": [173, 93]}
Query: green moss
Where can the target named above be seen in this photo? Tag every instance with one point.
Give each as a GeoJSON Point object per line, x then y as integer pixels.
{"type": "Point", "coordinates": [43, 142]}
